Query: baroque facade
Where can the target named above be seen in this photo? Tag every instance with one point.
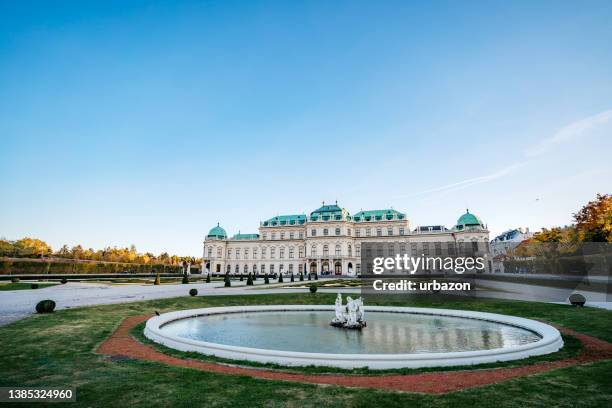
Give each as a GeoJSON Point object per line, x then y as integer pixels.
{"type": "Point", "coordinates": [328, 241]}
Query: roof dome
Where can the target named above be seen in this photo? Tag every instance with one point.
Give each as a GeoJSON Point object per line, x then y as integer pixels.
{"type": "Point", "coordinates": [469, 220]}
{"type": "Point", "coordinates": [217, 232]}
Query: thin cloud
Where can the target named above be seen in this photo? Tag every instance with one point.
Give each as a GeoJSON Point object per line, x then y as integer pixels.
{"type": "Point", "coordinates": [570, 132]}
{"type": "Point", "coordinates": [460, 185]}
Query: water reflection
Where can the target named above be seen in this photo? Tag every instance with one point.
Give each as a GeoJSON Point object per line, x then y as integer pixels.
{"type": "Point", "coordinates": [309, 331]}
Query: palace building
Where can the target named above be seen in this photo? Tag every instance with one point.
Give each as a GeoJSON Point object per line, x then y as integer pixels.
{"type": "Point", "coordinates": [329, 240]}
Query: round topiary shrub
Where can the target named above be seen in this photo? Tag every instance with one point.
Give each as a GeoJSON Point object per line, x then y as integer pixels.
{"type": "Point", "coordinates": [15, 280]}
{"type": "Point", "coordinates": [313, 288]}
{"type": "Point", "coordinates": [577, 299]}
{"type": "Point", "coordinates": [34, 286]}
{"type": "Point", "coordinates": [45, 306]}
{"type": "Point", "coordinates": [185, 280]}
{"type": "Point", "coordinates": [64, 281]}
{"type": "Point", "coordinates": [193, 292]}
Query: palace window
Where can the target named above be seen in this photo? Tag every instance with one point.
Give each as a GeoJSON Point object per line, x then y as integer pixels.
{"type": "Point", "coordinates": [337, 231]}
{"type": "Point", "coordinates": [313, 232]}
{"type": "Point", "coordinates": [255, 268]}
{"type": "Point", "coordinates": [246, 269]}
{"type": "Point", "coordinates": [390, 231]}
{"type": "Point", "coordinates": [413, 249]}
{"type": "Point", "coordinates": [313, 250]}
{"type": "Point", "coordinates": [274, 235]}
{"type": "Point", "coordinates": [272, 253]}
{"type": "Point", "coordinates": [263, 268]}
{"type": "Point", "coordinates": [229, 253]}
{"type": "Point", "coordinates": [229, 268]}
{"type": "Point", "coordinates": [348, 232]}
{"type": "Point", "coordinates": [237, 270]}
{"type": "Point", "coordinates": [290, 252]}
{"type": "Point", "coordinates": [291, 269]}
{"type": "Point", "coordinates": [300, 268]}
{"type": "Point", "coordinates": [281, 252]}
{"type": "Point", "coordinates": [426, 248]}
{"type": "Point", "coordinates": [401, 231]}
{"type": "Point", "coordinates": [325, 250]}
{"type": "Point", "coordinates": [357, 250]}
{"type": "Point", "coordinates": [368, 232]}
{"type": "Point", "coordinates": [402, 249]}
{"type": "Point", "coordinates": [358, 268]}
{"type": "Point", "coordinates": [301, 235]}
{"type": "Point", "coordinates": [358, 232]}
{"type": "Point", "coordinates": [264, 236]}
{"type": "Point", "coordinates": [210, 252]}
{"type": "Point", "coordinates": [291, 235]}
{"type": "Point", "coordinates": [337, 250]}
{"type": "Point", "coordinates": [237, 253]}
{"type": "Point", "coordinates": [282, 235]}
{"type": "Point", "coordinates": [325, 231]}
{"type": "Point", "coordinates": [254, 253]}
{"type": "Point", "coordinates": [218, 252]}
{"type": "Point", "coordinates": [263, 252]}
{"type": "Point", "coordinates": [271, 268]}
{"type": "Point", "coordinates": [379, 232]}
{"type": "Point", "coordinates": [301, 251]}
{"type": "Point", "coordinates": [281, 268]}
{"type": "Point", "coordinates": [451, 248]}
{"type": "Point", "coordinates": [438, 248]}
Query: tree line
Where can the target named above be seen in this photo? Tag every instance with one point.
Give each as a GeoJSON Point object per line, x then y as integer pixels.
{"type": "Point", "coordinates": [36, 248]}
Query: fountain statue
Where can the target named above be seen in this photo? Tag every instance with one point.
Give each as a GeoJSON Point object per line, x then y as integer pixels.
{"type": "Point", "coordinates": [351, 316]}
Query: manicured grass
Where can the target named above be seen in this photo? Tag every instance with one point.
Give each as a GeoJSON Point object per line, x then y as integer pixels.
{"type": "Point", "coordinates": [24, 285]}
{"type": "Point", "coordinates": [57, 350]}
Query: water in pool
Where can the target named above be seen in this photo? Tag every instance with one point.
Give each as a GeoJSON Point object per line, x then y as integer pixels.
{"type": "Point", "coordinates": [386, 333]}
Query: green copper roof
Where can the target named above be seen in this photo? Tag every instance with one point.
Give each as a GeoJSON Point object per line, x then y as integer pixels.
{"type": "Point", "coordinates": [217, 232]}
{"type": "Point", "coordinates": [378, 215]}
{"type": "Point", "coordinates": [297, 219]}
{"type": "Point", "coordinates": [245, 236]}
{"type": "Point", "coordinates": [329, 212]}
{"type": "Point", "coordinates": [468, 220]}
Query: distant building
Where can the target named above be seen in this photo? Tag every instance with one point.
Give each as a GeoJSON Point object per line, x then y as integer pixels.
{"type": "Point", "coordinates": [328, 241]}
{"type": "Point", "coordinates": [503, 246]}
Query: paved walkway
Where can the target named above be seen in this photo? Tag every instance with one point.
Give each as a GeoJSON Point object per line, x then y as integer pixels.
{"type": "Point", "coordinates": [17, 304]}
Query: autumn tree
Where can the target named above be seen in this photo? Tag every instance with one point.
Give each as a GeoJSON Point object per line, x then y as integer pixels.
{"type": "Point", "coordinates": [594, 220]}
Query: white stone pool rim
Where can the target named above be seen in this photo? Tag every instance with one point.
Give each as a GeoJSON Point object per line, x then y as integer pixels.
{"type": "Point", "coordinates": [550, 341]}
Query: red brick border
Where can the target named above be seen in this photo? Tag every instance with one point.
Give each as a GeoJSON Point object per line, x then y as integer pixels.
{"type": "Point", "coordinates": [121, 343]}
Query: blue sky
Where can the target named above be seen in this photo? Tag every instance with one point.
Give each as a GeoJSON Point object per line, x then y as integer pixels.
{"type": "Point", "coordinates": [149, 122]}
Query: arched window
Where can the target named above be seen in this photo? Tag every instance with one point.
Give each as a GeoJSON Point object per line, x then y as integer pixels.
{"type": "Point", "coordinates": [313, 250]}
{"type": "Point", "coordinates": [325, 250]}
{"type": "Point", "coordinates": [337, 250]}
{"type": "Point", "coordinates": [246, 268]}
{"type": "Point", "coordinates": [338, 268]}
{"type": "Point", "coordinates": [254, 268]}
{"type": "Point", "coordinates": [237, 269]}
{"type": "Point", "coordinates": [229, 268]}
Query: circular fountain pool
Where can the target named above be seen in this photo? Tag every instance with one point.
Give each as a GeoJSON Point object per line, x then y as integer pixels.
{"type": "Point", "coordinates": [395, 336]}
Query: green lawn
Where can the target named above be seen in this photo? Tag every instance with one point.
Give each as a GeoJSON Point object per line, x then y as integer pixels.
{"type": "Point", "coordinates": [57, 350]}
{"type": "Point", "coordinates": [23, 285]}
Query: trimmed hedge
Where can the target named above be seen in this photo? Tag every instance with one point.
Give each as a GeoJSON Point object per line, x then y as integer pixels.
{"type": "Point", "coordinates": [66, 268]}
{"type": "Point", "coordinates": [193, 292]}
{"type": "Point", "coordinates": [313, 288]}
{"type": "Point", "coordinates": [45, 306]}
